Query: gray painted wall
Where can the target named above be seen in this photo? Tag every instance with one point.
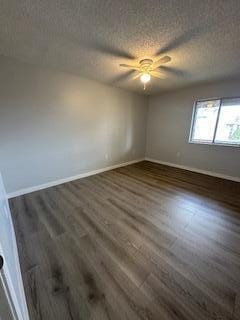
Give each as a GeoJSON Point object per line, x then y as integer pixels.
{"type": "Point", "coordinates": [168, 128]}
{"type": "Point", "coordinates": [55, 125]}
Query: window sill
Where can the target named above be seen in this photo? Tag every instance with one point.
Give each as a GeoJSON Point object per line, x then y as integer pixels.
{"type": "Point", "coordinates": [215, 144]}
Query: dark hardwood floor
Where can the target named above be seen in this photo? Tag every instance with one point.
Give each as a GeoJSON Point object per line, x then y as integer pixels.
{"type": "Point", "coordinates": [144, 241]}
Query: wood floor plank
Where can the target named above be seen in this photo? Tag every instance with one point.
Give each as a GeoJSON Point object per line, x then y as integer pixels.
{"type": "Point", "coordinates": [28, 256]}
{"type": "Point", "coordinates": [180, 278]}
{"type": "Point", "coordinates": [64, 296]}
{"type": "Point", "coordinates": [144, 241]}
{"type": "Point", "coordinates": [119, 287]}
{"type": "Point", "coordinates": [182, 302]}
{"type": "Point", "coordinates": [38, 301]}
{"type": "Point", "coordinates": [236, 312]}
{"type": "Point", "coordinates": [93, 288]}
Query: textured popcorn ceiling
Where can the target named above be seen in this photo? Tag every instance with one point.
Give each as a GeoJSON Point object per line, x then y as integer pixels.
{"type": "Point", "coordinates": [92, 37]}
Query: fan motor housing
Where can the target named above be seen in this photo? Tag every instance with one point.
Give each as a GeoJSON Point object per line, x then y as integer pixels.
{"type": "Point", "coordinates": [146, 63]}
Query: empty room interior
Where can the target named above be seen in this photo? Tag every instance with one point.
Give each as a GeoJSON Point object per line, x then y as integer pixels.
{"type": "Point", "coordinates": [119, 160]}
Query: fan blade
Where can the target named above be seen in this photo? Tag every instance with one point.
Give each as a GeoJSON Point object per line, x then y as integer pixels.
{"type": "Point", "coordinates": [128, 66]}
{"type": "Point", "coordinates": [127, 75]}
{"type": "Point", "coordinates": [137, 76]}
{"type": "Point", "coordinates": [106, 49]}
{"type": "Point", "coordinates": [161, 61]}
{"type": "Point", "coordinates": [158, 75]}
{"type": "Point", "coordinates": [174, 71]}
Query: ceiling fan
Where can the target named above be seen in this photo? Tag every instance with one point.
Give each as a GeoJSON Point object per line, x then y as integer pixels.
{"type": "Point", "coordinates": [147, 68]}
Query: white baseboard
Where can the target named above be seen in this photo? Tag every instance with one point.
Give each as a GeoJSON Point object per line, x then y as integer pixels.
{"type": "Point", "coordinates": [209, 173]}
{"type": "Point", "coordinates": [90, 173]}
{"type": "Point", "coordinates": [64, 180]}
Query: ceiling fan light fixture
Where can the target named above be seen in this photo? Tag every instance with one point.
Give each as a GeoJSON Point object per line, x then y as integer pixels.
{"type": "Point", "coordinates": [147, 68]}
{"type": "Point", "coordinates": [145, 77]}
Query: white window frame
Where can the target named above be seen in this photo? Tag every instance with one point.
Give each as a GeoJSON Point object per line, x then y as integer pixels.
{"type": "Point", "coordinates": [213, 143]}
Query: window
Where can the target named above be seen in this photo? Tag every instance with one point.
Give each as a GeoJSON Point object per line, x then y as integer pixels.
{"type": "Point", "coordinates": [216, 122]}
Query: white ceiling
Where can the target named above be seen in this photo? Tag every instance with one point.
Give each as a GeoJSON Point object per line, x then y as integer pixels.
{"type": "Point", "coordinates": [92, 37]}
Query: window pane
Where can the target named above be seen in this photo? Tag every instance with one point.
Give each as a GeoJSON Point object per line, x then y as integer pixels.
{"type": "Point", "coordinates": [205, 120]}
{"type": "Point", "coordinates": [228, 130]}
